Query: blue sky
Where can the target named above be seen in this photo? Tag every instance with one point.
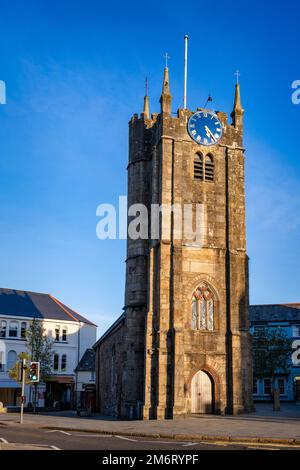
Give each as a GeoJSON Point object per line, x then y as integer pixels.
{"type": "Point", "coordinates": [75, 73]}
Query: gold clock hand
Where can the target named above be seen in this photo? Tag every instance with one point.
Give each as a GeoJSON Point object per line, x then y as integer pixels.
{"type": "Point", "coordinates": [209, 133]}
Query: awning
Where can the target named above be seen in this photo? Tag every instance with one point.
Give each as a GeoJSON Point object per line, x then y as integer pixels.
{"type": "Point", "coordinates": [9, 384]}
{"type": "Point", "coordinates": [62, 379]}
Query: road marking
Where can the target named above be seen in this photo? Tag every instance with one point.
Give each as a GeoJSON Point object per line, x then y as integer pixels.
{"type": "Point", "coordinates": [178, 443]}
{"type": "Point", "coordinates": [261, 448]}
{"type": "Point", "coordinates": [221, 444]}
{"type": "Point", "coordinates": [92, 435]}
{"type": "Point", "coordinates": [4, 441]}
{"type": "Point", "coordinates": [126, 438]}
{"type": "Point", "coordinates": [43, 445]}
{"type": "Point", "coordinates": [58, 430]}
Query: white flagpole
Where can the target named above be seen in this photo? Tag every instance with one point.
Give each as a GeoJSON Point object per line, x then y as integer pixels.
{"type": "Point", "coordinates": [185, 70]}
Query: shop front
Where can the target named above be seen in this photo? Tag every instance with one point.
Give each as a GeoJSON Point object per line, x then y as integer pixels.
{"type": "Point", "coordinates": [60, 392]}
{"type": "Point", "coordinates": [10, 393]}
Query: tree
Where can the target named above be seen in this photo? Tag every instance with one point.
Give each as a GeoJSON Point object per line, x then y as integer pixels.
{"type": "Point", "coordinates": [271, 354]}
{"type": "Point", "coordinates": [13, 372]}
{"type": "Point", "coordinates": [39, 346]}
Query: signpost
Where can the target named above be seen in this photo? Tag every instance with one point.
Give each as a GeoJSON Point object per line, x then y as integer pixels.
{"type": "Point", "coordinates": [23, 374]}
{"type": "Point", "coordinates": [34, 377]}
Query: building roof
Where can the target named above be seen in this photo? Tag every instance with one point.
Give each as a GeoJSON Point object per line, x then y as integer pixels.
{"type": "Point", "coordinates": [115, 326]}
{"type": "Point", "coordinates": [22, 303]}
{"type": "Point", "coordinates": [87, 362]}
{"type": "Point", "coordinates": [276, 312]}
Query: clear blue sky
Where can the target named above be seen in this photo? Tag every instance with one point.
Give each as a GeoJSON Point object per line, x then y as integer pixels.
{"type": "Point", "coordinates": [75, 73]}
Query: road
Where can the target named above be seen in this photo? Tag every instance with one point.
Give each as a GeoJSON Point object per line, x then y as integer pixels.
{"type": "Point", "coordinates": [63, 440]}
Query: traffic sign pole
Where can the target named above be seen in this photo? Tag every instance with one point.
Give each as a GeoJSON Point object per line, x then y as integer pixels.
{"type": "Point", "coordinates": [23, 389]}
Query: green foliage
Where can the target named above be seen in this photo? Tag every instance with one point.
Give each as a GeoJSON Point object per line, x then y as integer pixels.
{"type": "Point", "coordinates": [39, 346]}
{"type": "Point", "coordinates": [272, 352]}
{"type": "Point", "coordinates": [13, 372]}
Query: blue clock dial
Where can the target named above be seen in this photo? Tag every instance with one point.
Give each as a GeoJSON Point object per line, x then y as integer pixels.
{"type": "Point", "coordinates": [205, 128]}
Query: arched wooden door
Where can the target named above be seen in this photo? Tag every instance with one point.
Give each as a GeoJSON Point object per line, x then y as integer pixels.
{"type": "Point", "coordinates": [202, 393]}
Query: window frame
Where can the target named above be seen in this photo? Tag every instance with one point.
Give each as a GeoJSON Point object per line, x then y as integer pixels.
{"type": "Point", "coordinates": [23, 330]}
{"type": "Point", "coordinates": [3, 322]}
{"type": "Point", "coordinates": [209, 301]}
{"type": "Point", "coordinates": [16, 330]}
{"type": "Point", "coordinates": [64, 333]}
{"type": "Point", "coordinates": [55, 357]}
{"type": "Point", "coordinates": [63, 362]}
{"type": "Point", "coordinates": [10, 365]}
{"type": "Point", "coordinates": [264, 387]}
{"type": "Point", "coordinates": [57, 333]}
{"type": "Point", "coordinates": [296, 331]}
{"type": "Point", "coordinates": [258, 329]}
{"type": "Point", "coordinates": [281, 379]}
{"type": "Point", "coordinates": [2, 358]}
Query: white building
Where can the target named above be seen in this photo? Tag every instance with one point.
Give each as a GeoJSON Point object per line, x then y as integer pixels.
{"type": "Point", "coordinates": [85, 380]}
{"type": "Point", "coordinates": [72, 334]}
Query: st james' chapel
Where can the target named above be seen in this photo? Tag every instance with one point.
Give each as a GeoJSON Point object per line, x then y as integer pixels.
{"type": "Point", "coordinates": [182, 345]}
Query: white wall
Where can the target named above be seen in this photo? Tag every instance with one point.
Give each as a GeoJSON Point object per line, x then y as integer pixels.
{"type": "Point", "coordinates": [88, 335]}
{"type": "Point", "coordinates": [84, 378]}
{"type": "Point", "coordinates": [79, 337]}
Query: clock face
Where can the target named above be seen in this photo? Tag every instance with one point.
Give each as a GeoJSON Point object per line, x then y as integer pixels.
{"type": "Point", "coordinates": [205, 128]}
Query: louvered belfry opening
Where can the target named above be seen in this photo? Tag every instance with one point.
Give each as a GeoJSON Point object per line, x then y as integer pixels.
{"type": "Point", "coordinates": [209, 168]}
{"type": "Point", "coordinates": [203, 167]}
{"type": "Point", "coordinates": [198, 167]}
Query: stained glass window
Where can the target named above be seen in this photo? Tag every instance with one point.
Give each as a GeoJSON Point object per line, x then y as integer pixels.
{"type": "Point", "coordinates": [203, 320]}
{"type": "Point", "coordinates": [210, 317]}
{"type": "Point", "coordinates": [194, 314]}
{"type": "Point", "coordinates": [203, 309]}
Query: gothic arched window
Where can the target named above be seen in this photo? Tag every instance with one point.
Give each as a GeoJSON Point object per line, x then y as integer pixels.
{"type": "Point", "coordinates": [203, 307]}
{"type": "Point", "coordinates": [209, 168]}
{"type": "Point", "coordinates": [198, 167]}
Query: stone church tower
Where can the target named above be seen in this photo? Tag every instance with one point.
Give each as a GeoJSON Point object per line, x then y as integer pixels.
{"type": "Point", "coordinates": [182, 345]}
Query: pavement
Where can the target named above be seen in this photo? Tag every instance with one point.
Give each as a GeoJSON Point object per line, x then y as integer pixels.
{"type": "Point", "coordinates": [264, 426]}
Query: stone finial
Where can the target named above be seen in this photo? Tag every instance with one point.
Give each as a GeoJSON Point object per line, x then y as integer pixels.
{"type": "Point", "coordinates": [145, 113]}
{"type": "Point", "coordinates": [146, 107]}
{"type": "Point", "coordinates": [166, 98]}
{"type": "Point", "coordinates": [238, 111]}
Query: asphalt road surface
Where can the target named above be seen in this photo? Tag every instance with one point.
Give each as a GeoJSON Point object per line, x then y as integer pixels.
{"type": "Point", "coordinates": [65, 440]}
